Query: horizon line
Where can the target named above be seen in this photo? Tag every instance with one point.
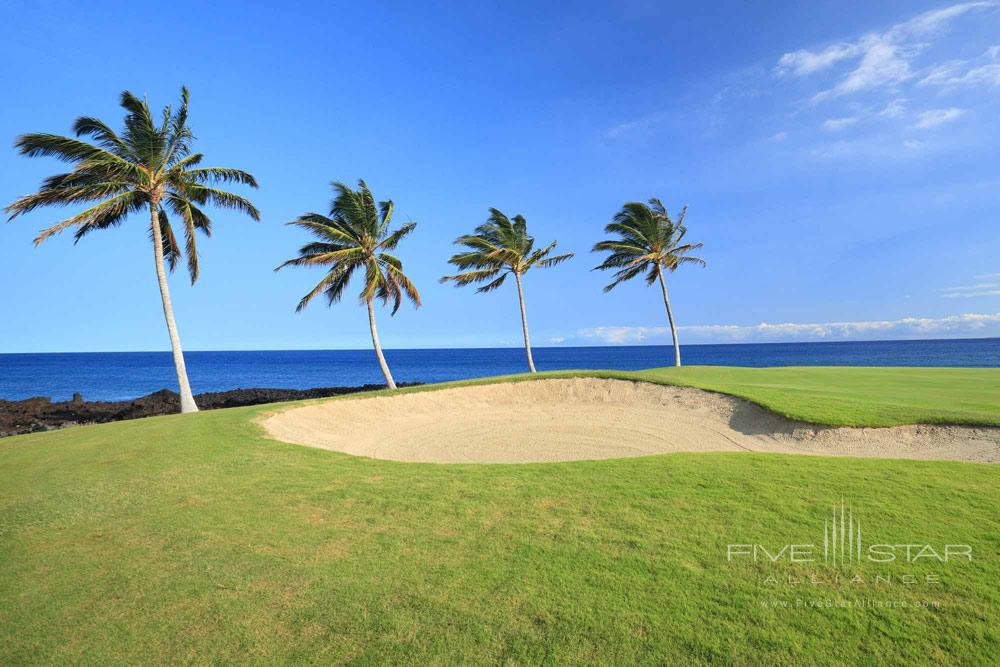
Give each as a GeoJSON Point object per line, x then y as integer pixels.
{"type": "Point", "coordinates": [533, 347]}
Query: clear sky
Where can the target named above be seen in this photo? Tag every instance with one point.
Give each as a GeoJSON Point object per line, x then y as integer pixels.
{"type": "Point", "coordinates": [839, 160]}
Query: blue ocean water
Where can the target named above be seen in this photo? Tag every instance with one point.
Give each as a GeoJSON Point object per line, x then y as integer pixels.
{"type": "Point", "coordinates": [112, 376]}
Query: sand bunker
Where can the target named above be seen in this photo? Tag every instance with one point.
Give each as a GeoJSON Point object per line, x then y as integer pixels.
{"type": "Point", "coordinates": [580, 419]}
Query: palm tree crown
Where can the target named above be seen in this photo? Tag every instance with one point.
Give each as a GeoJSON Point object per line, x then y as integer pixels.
{"type": "Point", "coordinates": [648, 241]}
{"type": "Point", "coordinates": [150, 164]}
{"type": "Point", "coordinates": [499, 247]}
{"type": "Point", "coordinates": [355, 236]}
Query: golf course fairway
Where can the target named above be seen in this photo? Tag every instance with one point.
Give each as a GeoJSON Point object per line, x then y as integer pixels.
{"type": "Point", "coordinates": [198, 539]}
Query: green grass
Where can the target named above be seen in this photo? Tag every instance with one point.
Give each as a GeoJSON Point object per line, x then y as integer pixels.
{"type": "Point", "coordinates": [851, 396]}
{"type": "Point", "coordinates": [194, 539]}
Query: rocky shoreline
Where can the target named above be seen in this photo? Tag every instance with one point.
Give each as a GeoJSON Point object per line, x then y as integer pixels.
{"type": "Point", "coordinates": [42, 414]}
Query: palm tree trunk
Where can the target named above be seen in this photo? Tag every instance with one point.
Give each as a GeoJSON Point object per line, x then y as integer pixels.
{"type": "Point", "coordinates": [187, 399]}
{"type": "Point", "coordinates": [670, 316]}
{"type": "Point", "coordinates": [524, 323]}
{"type": "Point", "coordinates": [378, 348]}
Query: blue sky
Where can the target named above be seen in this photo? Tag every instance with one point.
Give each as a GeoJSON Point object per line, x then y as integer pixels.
{"type": "Point", "coordinates": [839, 161]}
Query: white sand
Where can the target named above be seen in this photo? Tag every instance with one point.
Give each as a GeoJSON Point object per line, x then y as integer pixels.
{"type": "Point", "coordinates": [578, 419]}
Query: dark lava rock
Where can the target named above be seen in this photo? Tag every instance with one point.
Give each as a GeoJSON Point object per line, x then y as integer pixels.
{"type": "Point", "coordinates": [41, 414]}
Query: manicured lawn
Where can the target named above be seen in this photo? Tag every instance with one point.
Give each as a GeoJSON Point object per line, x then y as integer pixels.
{"type": "Point", "coordinates": [852, 396]}
{"type": "Point", "coordinates": [195, 539]}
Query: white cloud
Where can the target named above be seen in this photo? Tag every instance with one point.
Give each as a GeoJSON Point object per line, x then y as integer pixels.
{"type": "Point", "coordinates": [989, 285]}
{"type": "Point", "coordinates": [894, 109]}
{"type": "Point", "coordinates": [967, 324]}
{"type": "Point", "coordinates": [881, 59]}
{"type": "Point", "coordinates": [778, 136]}
{"type": "Point", "coordinates": [935, 117]}
{"type": "Point", "coordinates": [871, 149]}
{"type": "Point", "coordinates": [835, 124]}
{"type": "Point", "coordinates": [637, 126]}
{"type": "Point", "coordinates": [805, 62]}
{"type": "Point", "coordinates": [942, 74]}
{"type": "Point", "coordinates": [883, 63]}
{"type": "Point", "coordinates": [620, 335]}
{"type": "Point", "coordinates": [932, 21]}
{"type": "Point", "coordinates": [987, 75]}
{"type": "Point", "coordinates": [984, 71]}
{"type": "Point", "coordinates": [948, 75]}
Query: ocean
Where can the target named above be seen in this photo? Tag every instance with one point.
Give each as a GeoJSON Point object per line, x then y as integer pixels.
{"type": "Point", "coordinates": [115, 376]}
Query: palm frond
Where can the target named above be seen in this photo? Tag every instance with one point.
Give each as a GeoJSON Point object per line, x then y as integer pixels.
{"type": "Point", "coordinates": [312, 259]}
{"type": "Point", "coordinates": [356, 235]}
{"type": "Point", "coordinates": [392, 240]}
{"type": "Point", "coordinates": [107, 138]}
{"type": "Point", "coordinates": [470, 277]}
{"type": "Point", "coordinates": [141, 132]}
{"type": "Point", "coordinates": [171, 251]}
{"type": "Point", "coordinates": [193, 219]}
{"type": "Point", "coordinates": [478, 242]}
{"type": "Point", "coordinates": [326, 228]}
{"type": "Point", "coordinates": [385, 210]}
{"type": "Point", "coordinates": [177, 131]}
{"type": "Point", "coordinates": [216, 175]}
{"type": "Point", "coordinates": [691, 260]}
{"type": "Point", "coordinates": [537, 255]}
{"type": "Point", "coordinates": [337, 285]}
{"type": "Point", "coordinates": [64, 195]}
{"type": "Point", "coordinates": [499, 244]}
{"type": "Point", "coordinates": [374, 281]}
{"type": "Point", "coordinates": [646, 240]}
{"type": "Point", "coordinates": [180, 171]}
{"type": "Point", "coordinates": [680, 218]}
{"type": "Point", "coordinates": [653, 274]}
{"type": "Point", "coordinates": [348, 205]}
{"type": "Point", "coordinates": [623, 275]}
{"type": "Point", "coordinates": [394, 271]}
{"type": "Point", "coordinates": [555, 261]}
{"type": "Point", "coordinates": [489, 287]}
{"type": "Point", "coordinates": [223, 199]}
{"type": "Point", "coordinates": [333, 283]}
{"type": "Point", "coordinates": [87, 156]}
{"type": "Point", "coordinates": [108, 213]}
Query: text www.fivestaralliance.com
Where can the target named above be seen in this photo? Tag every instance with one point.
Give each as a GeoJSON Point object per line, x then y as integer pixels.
{"type": "Point", "coordinates": [848, 603]}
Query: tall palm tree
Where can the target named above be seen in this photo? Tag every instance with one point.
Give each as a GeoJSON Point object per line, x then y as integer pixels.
{"type": "Point", "coordinates": [502, 247]}
{"type": "Point", "coordinates": [149, 166]}
{"type": "Point", "coordinates": [356, 236]}
{"type": "Point", "coordinates": [648, 240]}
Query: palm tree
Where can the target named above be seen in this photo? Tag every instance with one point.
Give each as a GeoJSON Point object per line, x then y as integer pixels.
{"type": "Point", "coordinates": [356, 236]}
{"type": "Point", "coordinates": [502, 247]}
{"type": "Point", "coordinates": [648, 240]}
{"type": "Point", "coordinates": [149, 166]}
